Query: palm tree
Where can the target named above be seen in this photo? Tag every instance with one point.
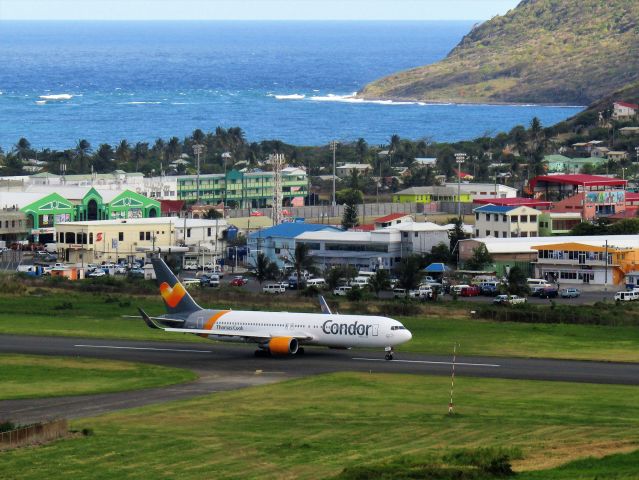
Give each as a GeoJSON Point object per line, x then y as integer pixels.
{"type": "Point", "coordinates": [173, 148]}
{"type": "Point", "coordinates": [82, 149]}
{"type": "Point", "coordinates": [393, 147]}
{"type": "Point", "coordinates": [23, 148]}
{"type": "Point", "coordinates": [361, 150]}
{"type": "Point", "coordinates": [265, 269]}
{"type": "Point", "coordinates": [302, 261]}
{"type": "Point", "coordinates": [123, 152]}
{"type": "Point", "coordinates": [139, 153]}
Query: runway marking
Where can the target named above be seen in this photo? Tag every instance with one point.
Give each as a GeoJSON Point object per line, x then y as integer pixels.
{"type": "Point", "coordinates": [427, 361]}
{"type": "Point", "coordinates": [144, 348]}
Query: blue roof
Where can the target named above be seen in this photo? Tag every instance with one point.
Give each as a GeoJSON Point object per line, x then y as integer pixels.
{"type": "Point", "coordinates": [291, 230]}
{"type": "Point", "coordinates": [496, 208]}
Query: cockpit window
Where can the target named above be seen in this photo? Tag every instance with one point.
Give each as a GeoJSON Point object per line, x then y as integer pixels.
{"type": "Point", "coordinates": [398, 327]}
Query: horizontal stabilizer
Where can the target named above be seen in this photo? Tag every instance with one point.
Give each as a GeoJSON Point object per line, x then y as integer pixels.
{"type": "Point", "coordinates": [178, 321]}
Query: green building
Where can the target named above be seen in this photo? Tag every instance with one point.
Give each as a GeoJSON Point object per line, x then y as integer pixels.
{"type": "Point", "coordinates": [562, 164]}
{"type": "Point", "coordinates": [244, 190]}
{"type": "Point", "coordinates": [43, 214]}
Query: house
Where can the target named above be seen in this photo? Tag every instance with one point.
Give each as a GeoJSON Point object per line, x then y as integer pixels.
{"type": "Point", "coordinates": [629, 131]}
{"type": "Point", "coordinates": [506, 221]}
{"type": "Point", "coordinates": [426, 162]}
{"type": "Point", "coordinates": [345, 171]}
{"type": "Point", "coordinates": [562, 164]}
{"type": "Point", "coordinates": [623, 111]}
{"type": "Point", "coordinates": [558, 223]}
{"type": "Point", "coordinates": [392, 219]}
{"type": "Point", "coordinates": [617, 156]}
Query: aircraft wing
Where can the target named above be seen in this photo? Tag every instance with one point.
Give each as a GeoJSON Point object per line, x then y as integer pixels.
{"type": "Point", "coordinates": [239, 333]}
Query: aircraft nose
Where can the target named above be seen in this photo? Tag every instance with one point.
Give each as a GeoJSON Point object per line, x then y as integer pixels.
{"type": "Point", "coordinates": [408, 336]}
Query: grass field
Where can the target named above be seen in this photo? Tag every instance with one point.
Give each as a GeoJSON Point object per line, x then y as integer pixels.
{"type": "Point", "coordinates": [100, 316]}
{"type": "Point", "coordinates": [315, 427]}
{"type": "Point", "coordinates": [31, 376]}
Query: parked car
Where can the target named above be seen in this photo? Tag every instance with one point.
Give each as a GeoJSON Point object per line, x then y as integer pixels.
{"type": "Point", "coordinates": [238, 282]}
{"type": "Point", "coordinates": [508, 300]}
{"type": "Point", "coordinates": [136, 272]}
{"type": "Point", "coordinates": [273, 288]}
{"type": "Point", "coordinates": [548, 292]}
{"type": "Point", "coordinates": [570, 292]}
{"type": "Point", "coordinates": [190, 266]}
{"type": "Point", "coordinates": [342, 291]}
{"type": "Point", "coordinates": [98, 272]}
{"type": "Point", "coordinates": [209, 281]}
{"type": "Point", "coordinates": [120, 270]}
{"type": "Point", "coordinates": [458, 288]}
{"type": "Point", "coordinates": [470, 291]}
{"type": "Point", "coordinates": [488, 289]}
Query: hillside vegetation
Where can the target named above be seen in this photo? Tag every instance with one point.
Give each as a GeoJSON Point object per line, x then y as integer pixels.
{"type": "Point", "coordinates": [543, 51]}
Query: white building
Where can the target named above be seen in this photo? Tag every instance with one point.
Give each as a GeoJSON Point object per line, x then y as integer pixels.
{"type": "Point", "coordinates": [484, 190]}
{"type": "Point", "coordinates": [344, 171]}
{"type": "Point", "coordinates": [420, 237]}
{"type": "Point", "coordinates": [624, 111]}
{"type": "Point", "coordinates": [362, 250]}
{"type": "Point", "coordinates": [506, 222]}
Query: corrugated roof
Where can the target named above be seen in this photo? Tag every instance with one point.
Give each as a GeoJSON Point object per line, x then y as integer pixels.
{"type": "Point", "coordinates": [525, 244]}
{"type": "Point", "coordinates": [391, 217]}
{"type": "Point", "coordinates": [514, 202]}
{"type": "Point", "coordinates": [292, 230]}
{"type": "Point", "coordinates": [579, 179]}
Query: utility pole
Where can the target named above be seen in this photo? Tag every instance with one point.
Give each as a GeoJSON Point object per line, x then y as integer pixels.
{"type": "Point", "coordinates": [606, 274]}
{"type": "Point", "coordinates": [197, 149]}
{"type": "Point", "coordinates": [277, 161]}
{"type": "Point", "coordinates": [333, 146]}
{"type": "Point", "coordinates": [459, 159]}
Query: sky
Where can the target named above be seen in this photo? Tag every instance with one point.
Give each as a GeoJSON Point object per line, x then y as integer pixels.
{"type": "Point", "coordinates": [253, 9]}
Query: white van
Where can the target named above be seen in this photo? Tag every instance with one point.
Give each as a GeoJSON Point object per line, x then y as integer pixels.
{"type": "Point", "coordinates": [273, 288]}
{"type": "Point", "coordinates": [536, 284]}
{"type": "Point", "coordinates": [365, 274]}
{"type": "Point", "coordinates": [626, 296]}
{"type": "Point", "coordinates": [360, 282]}
{"type": "Point", "coordinates": [342, 291]}
{"type": "Point", "coordinates": [315, 282]}
{"type": "Point", "coordinates": [458, 288]}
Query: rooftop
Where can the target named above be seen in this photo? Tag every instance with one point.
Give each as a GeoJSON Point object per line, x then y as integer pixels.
{"type": "Point", "coordinates": [579, 179]}
{"type": "Point", "coordinates": [526, 244]}
{"type": "Point", "coordinates": [391, 217]}
{"type": "Point", "coordinates": [292, 230]}
{"type": "Point", "coordinates": [515, 202]}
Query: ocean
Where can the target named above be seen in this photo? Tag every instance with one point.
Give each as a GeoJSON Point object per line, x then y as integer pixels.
{"type": "Point", "coordinates": [107, 81]}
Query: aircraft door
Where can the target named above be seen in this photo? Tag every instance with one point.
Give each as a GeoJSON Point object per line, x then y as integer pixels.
{"type": "Point", "coordinates": [375, 330]}
{"type": "Point", "coordinates": [200, 322]}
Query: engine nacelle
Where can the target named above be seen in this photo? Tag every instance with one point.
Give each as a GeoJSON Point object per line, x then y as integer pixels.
{"type": "Point", "coordinates": [283, 346]}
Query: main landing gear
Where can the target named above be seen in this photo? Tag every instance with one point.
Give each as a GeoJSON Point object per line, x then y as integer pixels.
{"type": "Point", "coordinates": [389, 353]}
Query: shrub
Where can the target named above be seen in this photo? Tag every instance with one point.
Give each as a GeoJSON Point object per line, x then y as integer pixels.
{"type": "Point", "coordinates": [7, 426]}
{"type": "Point", "coordinates": [64, 306]}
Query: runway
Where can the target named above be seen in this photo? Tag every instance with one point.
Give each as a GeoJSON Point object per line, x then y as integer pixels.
{"type": "Point", "coordinates": [227, 367]}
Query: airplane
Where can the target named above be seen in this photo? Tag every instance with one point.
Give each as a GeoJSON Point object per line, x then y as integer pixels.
{"type": "Point", "coordinates": [275, 333]}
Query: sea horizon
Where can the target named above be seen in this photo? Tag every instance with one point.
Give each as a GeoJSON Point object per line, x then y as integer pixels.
{"type": "Point", "coordinates": [292, 80]}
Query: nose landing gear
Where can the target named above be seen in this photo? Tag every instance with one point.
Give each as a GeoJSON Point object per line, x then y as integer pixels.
{"type": "Point", "coordinates": [389, 353]}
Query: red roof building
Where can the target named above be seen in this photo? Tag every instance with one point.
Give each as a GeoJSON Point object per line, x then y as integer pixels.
{"type": "Point", "coordinates": [171, 208]}
{"type": "Point", "coordinates": [634, 106]}
{"type": "Point", "coordinates": [586, 182]}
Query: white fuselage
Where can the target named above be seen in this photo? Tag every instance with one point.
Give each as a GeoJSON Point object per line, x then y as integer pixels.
{"type": "Point", "coordinates": [338, 331]}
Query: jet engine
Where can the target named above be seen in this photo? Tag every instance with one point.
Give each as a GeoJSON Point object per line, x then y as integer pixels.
{"type": "Point", "coordinates": [283, 346]}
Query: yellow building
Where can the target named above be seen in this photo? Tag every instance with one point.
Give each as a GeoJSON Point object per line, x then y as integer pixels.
{"type": "Point", "coordinates": [579, 263]}
{"type": "Point", "coordinates": [113, 240]}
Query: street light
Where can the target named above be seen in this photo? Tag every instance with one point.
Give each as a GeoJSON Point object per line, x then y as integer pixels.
{"type": "Point", "coordinates": [197, 149]}
{"type": "Point", "coordinates": [459, 158]}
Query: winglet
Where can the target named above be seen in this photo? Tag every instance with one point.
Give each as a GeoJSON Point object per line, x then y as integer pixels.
{"type": "Point", "coordinates": [150, 323]}
{"type": "Point", "coordinates": [324, 306]}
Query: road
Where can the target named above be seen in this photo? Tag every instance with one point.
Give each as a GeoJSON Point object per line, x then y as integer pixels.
{"type": "Point", "coordinates": [227, 367]}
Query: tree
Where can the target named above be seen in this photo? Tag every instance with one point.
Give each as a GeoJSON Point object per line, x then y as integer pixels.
{"type": "Point", "coordinates": [409, 272]}
{"type": "Point", "coordinates": [82, 150]}
{"type": "Point", "coordinates": [303, 261]}
{"type": "Point", "coordinates": [334, 277]}
{"type": "Point", "coordinates": [123, 153]}
{"type": "Point", "coordinates": [456, 234]}
{"type": "Point", "coordinates": [265, 269]}
{"type": "Point", "coordinates": [517, 282]}
{"type": "Point", "coordinates": [439, 253]}
{"type": "Point", "coordinates": [213, 214]}
{"type": "Point", "coordinates": [23, 148]}
{"type": "Point", "coordinates": [351, 198]}
{"type": "Point", "coordinates": [173, 149]}
{"type": "Point", "coordinates": [140, 151]}
{"type": "Point", "coordinates": [480, 258]}
{"type": "Point", "coordinates": [361, 150]}
{"type": "Point", "coordinates": [380, 281]}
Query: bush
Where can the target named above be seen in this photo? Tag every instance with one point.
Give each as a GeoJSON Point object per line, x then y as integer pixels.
{"type": "Point", "coordinates": [495, 461]}
{"type": "Point", "coordinates": [7, 426]}
{"type": "Point", "coordinates": [64, 306]}
{"type": "Point", "coordinates": [400, 307]}
{"type": "Point", "coordinates": [312, 291]}
{"type": "Point", "coordinates": [355, 294]}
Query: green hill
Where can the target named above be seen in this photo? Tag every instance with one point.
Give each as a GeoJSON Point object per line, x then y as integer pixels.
{"type": "Point", "coordinates": [543, 51]}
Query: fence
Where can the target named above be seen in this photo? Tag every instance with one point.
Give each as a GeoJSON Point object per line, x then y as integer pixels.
{"type": "Point", "coordinates": [36, 433]}
{"type": "Point", "coordinates": [320, 212]}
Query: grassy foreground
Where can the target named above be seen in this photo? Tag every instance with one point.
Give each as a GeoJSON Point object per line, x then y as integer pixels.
{"type": "Point", "coordinates": [31, 376]}
{"type": "Point", "coordinates": [316, 427]}
{"type": "Point", "coordinates": [100, 316]}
